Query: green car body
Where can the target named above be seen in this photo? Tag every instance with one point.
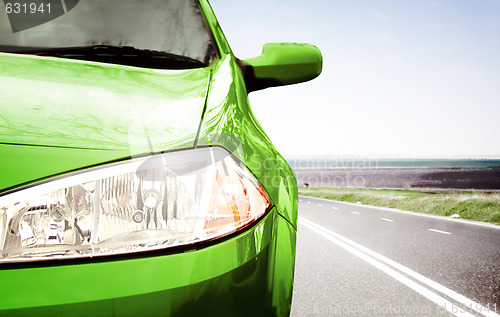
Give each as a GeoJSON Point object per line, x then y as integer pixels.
{"type": "Point", "coordinates": [61, 116]}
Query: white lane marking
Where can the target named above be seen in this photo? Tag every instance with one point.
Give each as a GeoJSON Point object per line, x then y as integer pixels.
{"type": "Point", "coordinates": [308, 202]}
{"type": "Point", "coordinates": [386, 219]}
{"type": "Point", "coordinates": [371, 257]}
{"type": "Point", "coordinates": [411, 213]}
{"type": "Point", "coordinates": [320, 205]}
{"type": "Point", "coordinates": [300, 200]}
{"type": "Point", "coordinates": [335, 208]}
{"type": "Point", "coordinates": [439, 231]}
{"type": "Point", "coordinates": [355, 212]}
{"type": "Point", "coordinates": [331, 236]}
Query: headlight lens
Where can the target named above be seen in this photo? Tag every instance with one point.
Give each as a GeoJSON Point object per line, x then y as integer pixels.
{"type": "Point", "coordinates": [157, 202]}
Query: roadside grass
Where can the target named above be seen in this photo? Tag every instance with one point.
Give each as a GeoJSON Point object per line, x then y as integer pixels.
{"type": "Point", "coordinates": [473, 205]}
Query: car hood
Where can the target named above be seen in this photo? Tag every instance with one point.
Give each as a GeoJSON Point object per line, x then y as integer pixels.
{"type": "Point", "coordinates": [80, 104]}
{"type": "Point", "coordinates": [80, 113]}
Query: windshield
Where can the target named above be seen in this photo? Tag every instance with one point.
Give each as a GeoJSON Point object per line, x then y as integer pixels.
{"type": "Point", "coordinates": [153, 27]}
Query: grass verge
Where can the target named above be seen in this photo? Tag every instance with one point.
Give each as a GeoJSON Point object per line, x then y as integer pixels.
{"type": "Point", "coordinates": [473, 205]}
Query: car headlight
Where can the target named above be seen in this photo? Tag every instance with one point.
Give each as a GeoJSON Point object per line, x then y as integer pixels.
{"type": "Point", "coordinates": [157, 202]}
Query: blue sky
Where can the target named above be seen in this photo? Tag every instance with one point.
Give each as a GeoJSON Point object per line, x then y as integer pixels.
{"type": "Point", "coordinates": [400, 78]}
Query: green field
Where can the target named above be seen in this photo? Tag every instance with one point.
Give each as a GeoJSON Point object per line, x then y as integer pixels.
{"type": "Point", "coordinates": [473, 205]}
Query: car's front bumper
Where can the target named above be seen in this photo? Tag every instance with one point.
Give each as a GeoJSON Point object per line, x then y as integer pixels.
{"type": "Point", "coordinates": [226, 278]}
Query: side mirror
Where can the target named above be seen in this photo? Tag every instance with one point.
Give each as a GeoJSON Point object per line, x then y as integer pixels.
{"type": "Point", "coordinates": [282, 64]}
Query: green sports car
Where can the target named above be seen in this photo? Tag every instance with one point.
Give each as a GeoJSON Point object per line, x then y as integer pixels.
{"type": "Point", "coordinates": [134, 178]}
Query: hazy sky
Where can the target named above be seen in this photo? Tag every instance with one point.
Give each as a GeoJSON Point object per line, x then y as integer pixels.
{"type": "Point", "coordinates": [400, 78]}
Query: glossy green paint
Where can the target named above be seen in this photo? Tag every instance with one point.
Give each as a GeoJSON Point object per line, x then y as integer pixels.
{"type": "Point", "coordinates": [75, 114]}
{"type": "Point", "coordinates": [72, 103]}
{"type": "Point", "coordinates": [113, 111]}
{"type": "Point", "coordinates": [227, 274]}
{"type": "Point", "coordinates": [229, 122]}
{"type": "Point", "coordinates": [20, 164]}
{"type": "Point", "coordinates": [215, 27]}
{"type": "Point", "coordinates": [286, 64]}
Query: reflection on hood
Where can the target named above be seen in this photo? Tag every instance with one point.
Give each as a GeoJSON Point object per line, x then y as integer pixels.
{"type": "Point", "coordinates": [70, 103]}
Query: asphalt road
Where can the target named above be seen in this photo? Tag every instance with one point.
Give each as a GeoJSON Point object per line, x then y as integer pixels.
{"type": "Point", "coordinates": [356, 260]}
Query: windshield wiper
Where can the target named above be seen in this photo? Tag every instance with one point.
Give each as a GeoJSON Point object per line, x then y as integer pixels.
{"type": "Point", "coordinates": [123, 55]}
